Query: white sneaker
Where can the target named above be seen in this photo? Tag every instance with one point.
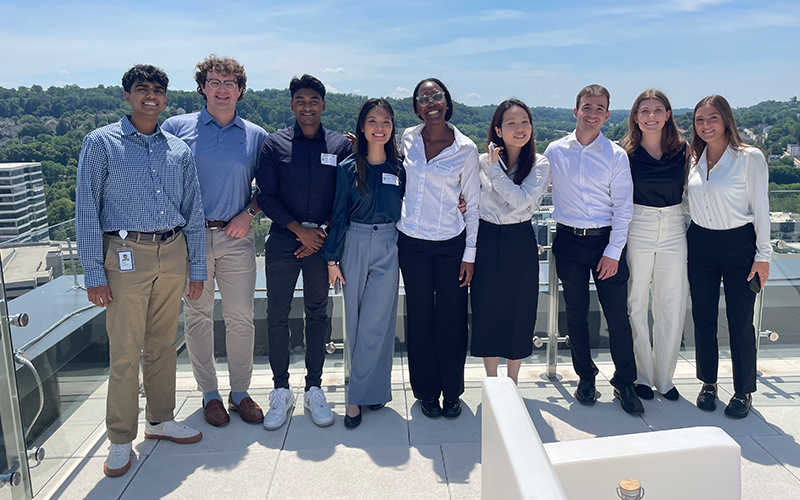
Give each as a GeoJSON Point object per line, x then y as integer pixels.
{"type": "Point", "coordinates": [281, 402]}
{"type": "Point", "coordinates": [172, 431]}
{"type": "Point", "coordinates": [314, 401]}
{"type": "Point", "coordinates": [119, 460]}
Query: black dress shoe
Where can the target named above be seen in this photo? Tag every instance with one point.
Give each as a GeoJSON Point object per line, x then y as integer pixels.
{"type": "Point", "coordinates": [586, 393]}
{"type": "Point", "coordinates": [629, 400]}
{"type": "Point", "coordinates": [707, 399]}
{"type": "Point", "coordinates": [430, 407]}
{"type": "Point", "coordinates": [672, 394]}
{"type": "Point", "coordinates": [451, 409]}
{"type": "Point", "coordinates": [376, 407]}
{"type": "Point", "coordinates": [739, 406]}
{"type": "Point", "coordinates": [352, 422]}
{"type": "Point", "coordinates": [643, 391]}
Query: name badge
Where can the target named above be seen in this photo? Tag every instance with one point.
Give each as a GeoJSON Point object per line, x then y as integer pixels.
{"type": "Point", "coordinates": [443, 169]}
{"type": "Point", "coordinates": [391, 179]}
{"type": "Point", "coordinates": [125, 258]}
{"type": "Point", "coordinates": [328, 159]}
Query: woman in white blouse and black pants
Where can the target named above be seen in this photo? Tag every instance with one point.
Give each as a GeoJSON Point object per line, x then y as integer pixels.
{"type": "Point", "coordinates": [437, 248]}
{"type": "Point", "coordinates": [728, 240]}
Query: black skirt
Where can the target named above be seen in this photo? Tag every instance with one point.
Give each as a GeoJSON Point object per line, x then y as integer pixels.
{"type": "Point", "coordinates": [505, 290]}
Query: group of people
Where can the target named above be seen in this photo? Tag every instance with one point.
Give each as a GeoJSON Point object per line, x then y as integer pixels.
{"type": "Point", "coordinates": [166, 210]}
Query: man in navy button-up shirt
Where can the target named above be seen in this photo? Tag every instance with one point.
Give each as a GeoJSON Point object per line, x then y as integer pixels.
{"type": "Point", "coordinates": [297, 180]}
{"type": "Point", "coordinates": [139, 224]}
{"type": "Point", "coordinates": [225, 148]}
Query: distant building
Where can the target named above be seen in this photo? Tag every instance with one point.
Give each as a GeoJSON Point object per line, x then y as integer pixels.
{"type": "Point", "coordinates": [793, 150]}
{"type": "Point", "coordinates": [22, 207]}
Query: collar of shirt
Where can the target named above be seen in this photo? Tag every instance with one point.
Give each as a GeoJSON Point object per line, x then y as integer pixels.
{"type": "Point", "coordinates": [128, 128]}
{"type": "Point", "coordinates": [415, 134]}
{"type": "Point", "coordinates": [206, 118]}
{"type": "Point", "coordinates": [297, 132]}
{"type": "Point", "coordinates": [724, 160]}
{"type": "Point", "coordinates": [599, 142]}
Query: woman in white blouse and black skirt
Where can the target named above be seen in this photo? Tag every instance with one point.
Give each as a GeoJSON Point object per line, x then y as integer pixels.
{"type": "Point", "coordinates": [505, 286]}
{"type": "Point", "coordinates": [437, 248]}
{"type": "Point", "coordinates": [728, 240]}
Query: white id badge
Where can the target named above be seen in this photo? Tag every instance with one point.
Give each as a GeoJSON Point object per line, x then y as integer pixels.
{"type": "Point", "coordinates": [328, 159]}
{"type": "Point", "coordinates": [125, 258]}
{"type": "Point", "coordinates": [391, 179]}
{"type": "Point", "coordinates": [443, 168]}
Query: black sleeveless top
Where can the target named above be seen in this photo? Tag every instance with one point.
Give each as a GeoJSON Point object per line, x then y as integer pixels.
{"type": "Point", "coordinates": [658, 183]}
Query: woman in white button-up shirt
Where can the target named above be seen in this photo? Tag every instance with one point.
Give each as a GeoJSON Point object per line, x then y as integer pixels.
{"type": "Point", "coordinates": [437, 248]}
{"type": "Point", "coordinates": [505, 287]}
{"type": "Point", "coordinates": [728, 240]}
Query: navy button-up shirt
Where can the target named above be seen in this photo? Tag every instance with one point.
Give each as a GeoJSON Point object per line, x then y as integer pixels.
{"type": "Point", "coordinates": [225, 157]}
{"type": "Point", "coordinates": [294, 184]}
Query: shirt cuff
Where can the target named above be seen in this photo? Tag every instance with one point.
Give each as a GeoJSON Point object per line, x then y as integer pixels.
{"type": "Point", "coordinates": [198, 273]}
{"type": "Point", "coordinates": [469, 254]}
{"type": "Point", "coordinates": [612, 252]}
{"type": "Point", "coordinates": [94, 277]}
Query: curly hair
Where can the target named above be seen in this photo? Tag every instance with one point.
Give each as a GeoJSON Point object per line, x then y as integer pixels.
{"type": "Point", "coordinates": [144, 73]}
{"type": "Point", "coordinates": [224, 66]}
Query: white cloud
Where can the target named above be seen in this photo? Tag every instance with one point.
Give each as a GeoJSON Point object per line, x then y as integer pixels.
{"type": "Point", "coordinates": [63, 72]}
{"type": "Point", "coordinates": [400, 92]}
{"type": "Point", "coordinates": [331, 89]}
{"type": "Point", "coordinates": [356, 91]}
{"type": "Point", "coordinates": [473, 95]}
{"type": "Point", "coordinates": [329, 70]}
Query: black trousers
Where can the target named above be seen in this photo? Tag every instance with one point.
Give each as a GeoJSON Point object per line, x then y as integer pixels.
{"type": "Point", "coordinates": [282, 269]}
{"type": "Point", "coordinates": [436, 308]}
{"type": "Point", "coordinates": [725, 255]}
{"type": "Point", "coordinates": [576, 257]}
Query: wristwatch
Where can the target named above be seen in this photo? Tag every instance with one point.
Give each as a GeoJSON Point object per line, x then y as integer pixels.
{"type": "Point", "coordinates": [324, 228]}
{"type": "Point", "coordinates": [250, 211]}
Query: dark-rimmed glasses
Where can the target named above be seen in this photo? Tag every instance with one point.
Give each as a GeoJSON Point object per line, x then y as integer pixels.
{"type": "Point", "coordinates": [228, 84]}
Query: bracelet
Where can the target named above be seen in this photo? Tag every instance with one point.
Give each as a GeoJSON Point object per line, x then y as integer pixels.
{"type": "Point", "coordinates": [335, 264]}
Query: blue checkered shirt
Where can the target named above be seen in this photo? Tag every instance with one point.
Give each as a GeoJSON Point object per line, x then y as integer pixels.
{"type": "Point", "coordinates": [131, 181]}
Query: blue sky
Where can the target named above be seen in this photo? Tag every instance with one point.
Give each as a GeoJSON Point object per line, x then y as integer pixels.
{"type": "Point", "coordinates": [540, 51]}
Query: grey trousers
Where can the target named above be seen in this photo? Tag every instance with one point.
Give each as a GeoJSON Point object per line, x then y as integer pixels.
{"type": "Point", "coordinates": [370, 270]}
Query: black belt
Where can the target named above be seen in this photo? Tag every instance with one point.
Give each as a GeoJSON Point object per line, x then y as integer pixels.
{"type": "Point", "coordinates": [210, 224]}
{"type": "Point", "coordinates": [137, 236]}
{"type": "Point", "coordinates": [578, 231]}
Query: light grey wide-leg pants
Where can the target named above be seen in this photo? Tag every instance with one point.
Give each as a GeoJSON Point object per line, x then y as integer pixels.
{"type": "Point", "coordinates": [370, 270]}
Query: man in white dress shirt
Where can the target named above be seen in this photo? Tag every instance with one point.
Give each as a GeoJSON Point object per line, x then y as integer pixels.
{"type": "Point", "coordinates": [593, 206]}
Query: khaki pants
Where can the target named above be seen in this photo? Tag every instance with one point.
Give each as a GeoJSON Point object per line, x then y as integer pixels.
{"type": "Point", "coordinates": [142, 321]}
{"type": "Point", "coordinates": [232, 263]}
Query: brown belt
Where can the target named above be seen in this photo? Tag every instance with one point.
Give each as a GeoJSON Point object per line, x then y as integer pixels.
{"type": "Point", "coordinates": [152, 237]}
{"type": "Point", "coordinates": [210, 224]}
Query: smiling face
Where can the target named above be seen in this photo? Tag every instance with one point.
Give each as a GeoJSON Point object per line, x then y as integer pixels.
{"type": "Point", "coordinates": [147, 100]}
{"type": "Point", "coordinates": [651, 116]}
{"type": "Point", "coordinates": [434, 111]}
{"type": "Point", "coordinates": [515, 128]}
{"type": "Point", "coordinates": [377, 126]}
{"type": "Point", "coordinates": [307, 106]}
{"type": "Point", "coordinates": [709, 124]}
{"type": "Point", "coordinates": [591, 115]}
{"type": "Point", "coordinates": [222, 99]}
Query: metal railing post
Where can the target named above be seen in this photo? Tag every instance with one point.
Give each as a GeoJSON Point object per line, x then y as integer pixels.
{"type": "Point", "coordinates": [552, 311]}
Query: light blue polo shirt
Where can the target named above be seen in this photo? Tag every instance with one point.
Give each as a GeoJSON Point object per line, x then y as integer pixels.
{"type": "Point", "coordinates": [226, 159]}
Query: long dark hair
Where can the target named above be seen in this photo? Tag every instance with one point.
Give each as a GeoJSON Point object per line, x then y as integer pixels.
{"type": "Point", "coordinates": [527, 157]}
{"type": "Point", "coordinates": [671, 141]}
{"type": "Point", "coordinates": [392, 156]}
{"type": "Point", "coordinates": [731, 132]}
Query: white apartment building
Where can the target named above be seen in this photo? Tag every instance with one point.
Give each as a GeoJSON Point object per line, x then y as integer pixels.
{"type": "Point", "coordinates": [793, 150]}
{"type": "Point", "coordinates": [22, 204]}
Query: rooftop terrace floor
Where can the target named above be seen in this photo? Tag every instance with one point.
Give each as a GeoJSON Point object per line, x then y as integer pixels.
{"type": "Point", "coordinates": [397, 452]}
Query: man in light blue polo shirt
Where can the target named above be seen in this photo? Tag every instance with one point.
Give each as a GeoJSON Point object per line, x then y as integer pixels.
{"type": "Point", "coordinates": [225, 148]}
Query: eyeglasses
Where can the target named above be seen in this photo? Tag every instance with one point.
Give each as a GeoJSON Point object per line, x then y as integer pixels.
{"type": "Point", "coordinates": [424, 100]}
{"type": "Point", "coordinates": [228, 84]}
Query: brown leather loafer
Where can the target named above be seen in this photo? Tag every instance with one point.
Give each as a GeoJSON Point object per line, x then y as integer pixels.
{"type": "Point", "coordinates": [247, 409]}
{"type": "Point", "coordinates": [215, 414]}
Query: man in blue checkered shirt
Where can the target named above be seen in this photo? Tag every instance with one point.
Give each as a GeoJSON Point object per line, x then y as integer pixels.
{"type": "Point", "coordinates": [140, 231]}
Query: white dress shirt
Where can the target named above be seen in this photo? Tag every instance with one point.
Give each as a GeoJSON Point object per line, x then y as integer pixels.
{"type": "Point", "coordinates": [592, 187]}
{"type": "Point", "coordinates": [430, 208]}
{"type": "Point", "coordinates": [503, 201]}
{"type": "Point", "coordinates": [736, 193]}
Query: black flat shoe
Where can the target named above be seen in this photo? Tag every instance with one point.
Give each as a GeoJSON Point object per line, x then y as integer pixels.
{"type": "Point", "coordinates": [629, 400]}
{"type": "Point", "coordinates": [430, 407]}
{"type": "Point", "coordinates": [739, 406]}
{"type": "Point", "coordinates": [672, 394]}
{"type": "Point", "coordinates": [451, 409]}
{"type": "Point", "coordinates": [707, 399]}
{"type": "Point", "coordinates": [586, 393]}
{"type": "Point", "coordinates": [352, 422]}
{"type": "Point", "coordinates": [643, 391]}
{"type": "Point", "coordinates": [376, 407]}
